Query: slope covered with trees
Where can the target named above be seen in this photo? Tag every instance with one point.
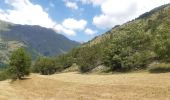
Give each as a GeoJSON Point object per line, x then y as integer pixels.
{"type": "Point", "coordinates": [131, 46]}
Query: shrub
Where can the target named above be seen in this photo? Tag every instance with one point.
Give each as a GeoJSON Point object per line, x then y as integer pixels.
{"type": "Point", "coordinates": [3, 75]}
{"type": "Point", "coordinates": [128, 50]}
{"type": "Point", "coordinates": [46, 66]}
{"type": "Point", "coordinates": [88, 58]}
{"type": "Point", "coordinates": [160, 68]}
{"type": "Point", "coordinates": [64, 61]}
{"type": "Point", "coordinates": [20, 63]}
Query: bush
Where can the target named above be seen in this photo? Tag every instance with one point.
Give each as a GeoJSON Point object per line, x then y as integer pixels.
{"type": "Point", "coordinates": [64, 61]}
{"type": "Point", "coordinates": [20, 63]}
{"type": "Point", "coordinates": [46, 66]}
{"type": "Point", "coordinates": [129, 50]}
{"type": "Point", "coordinates": [160, 68]}
{"type": "Point", "coordinates": [88, 58]}
{"type": "Point", "coordinates": [4, 74]}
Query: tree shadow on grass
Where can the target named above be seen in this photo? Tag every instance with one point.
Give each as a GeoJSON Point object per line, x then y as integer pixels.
{"type": "Point", "coordinates": [25, 78]}
{"type": "Point", "coordinates": [159, 70]}
{"type": "Point", "coordinates": [22, 79]}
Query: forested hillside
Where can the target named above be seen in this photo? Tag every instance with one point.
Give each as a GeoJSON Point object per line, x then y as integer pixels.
{"type": "Point", "coordinates": [131, 46]}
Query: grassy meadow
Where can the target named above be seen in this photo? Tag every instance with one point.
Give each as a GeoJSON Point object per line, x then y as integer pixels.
{"type": "Point", "coordinates": [75, 86]}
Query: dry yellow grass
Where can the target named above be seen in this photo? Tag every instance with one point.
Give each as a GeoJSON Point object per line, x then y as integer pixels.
{"type": "Point", "coordinates": [73, 86]}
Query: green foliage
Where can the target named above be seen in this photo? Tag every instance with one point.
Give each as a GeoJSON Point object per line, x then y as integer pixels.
{"type": "Point", "coordinates": [160, 68]}
{"type": "Point", "coordinates": [162, 41]}
{"type": "Point", "coordinates": [64, 61]}
{"type": "Point", "coordinates": [20, 62]}
{"type": "Point", "coordinates": [158, 27]}
{"type": "Point", "coordinates": [49, 65]}
{"type": "Point", "coordinates": [4, 74]}
{"type": "Point", "coordinates": [45, 66]}
{"type": "Point", "coordinates": [129, 49]}
{"type": "Point", "coordinates": [88, 58]}
{"type": "Point", "coordinates": [131, 46]}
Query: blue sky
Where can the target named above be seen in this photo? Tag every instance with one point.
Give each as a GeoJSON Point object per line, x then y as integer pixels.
{"type": "Point", "coordinates": [79, 20]}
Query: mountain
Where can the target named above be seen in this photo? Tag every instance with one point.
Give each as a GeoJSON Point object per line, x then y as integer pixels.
{"type": "Point", "coordinates": [133, 45]}
{"type": "Point", "coordinates": [38, 40]}
{"type": "Point", "coordinates": [145, 19]}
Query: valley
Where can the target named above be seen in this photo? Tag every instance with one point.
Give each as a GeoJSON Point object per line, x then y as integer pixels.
{"type": "Point", "coordinates": [123, 58]}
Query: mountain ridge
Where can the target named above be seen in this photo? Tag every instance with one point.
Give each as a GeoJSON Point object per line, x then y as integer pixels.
{"type": "Point", "coordinates": [38, 40]}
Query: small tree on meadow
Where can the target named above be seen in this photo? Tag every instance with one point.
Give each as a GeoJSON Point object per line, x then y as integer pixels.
{"type": "Point", "coordinates": [20, 62]}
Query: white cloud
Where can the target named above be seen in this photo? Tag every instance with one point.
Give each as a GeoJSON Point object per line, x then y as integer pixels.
{"type": "Point", "coordinates": [72, 5]}
{"type": "Point", "coordinates": [89, 31]}
{"type": "Point", "coordinates": [113, 8]}
{"type": "Point", "coordinates": [69, 26]}
{"type": "Point", "coordinates": [59, 28]}
{"type": "Point", "coordinates": [24, 12]}
{"type": "Point", "coordinates": [104, 21]}
{"type": "Point", "coordinates": [73, 24]}
{"type": "Point", "coordinates": [116, 12]}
